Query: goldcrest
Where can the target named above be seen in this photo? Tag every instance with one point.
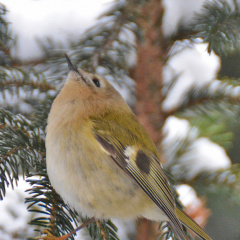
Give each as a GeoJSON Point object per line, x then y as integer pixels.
{"type": "Point", "coordinates": [100, 159]}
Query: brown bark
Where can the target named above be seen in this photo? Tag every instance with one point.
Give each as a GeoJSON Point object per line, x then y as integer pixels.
{"type": "Point", "coordinates": [148, 77]}
{"type": "Point", "coordinates": [148, 71]}
{"type": "Point", "coordinates": [147, 230]}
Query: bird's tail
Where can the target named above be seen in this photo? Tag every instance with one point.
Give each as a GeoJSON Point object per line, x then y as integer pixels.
{"type": "Point", "coordinates": [190, 223]}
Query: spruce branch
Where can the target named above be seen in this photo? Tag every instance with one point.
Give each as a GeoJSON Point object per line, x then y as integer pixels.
{"type": "Point", "coordinates": [20, 146]}
{"type": "Point", "coordinates": [215, 92]}
{"type": "Point", "coordinates": [227, 177]}
{"type": "Point", "coordinates": [108, 45]}
{"type": "Point", "coordinates": [21, 88]}
{"type": "Point", "coordinates": [6, 41]}
{"type": "Point", "coordinates": [57, 216]}
{"type": "Point", "coordinates": [40, 114]}
{"type": "Point", "coordinates": [103, 230]}
{"type": "Point", "coordinates": [167, 234]}
{"type": "Point", "coordinates": [214, 121]}
{"type": "Point", "coordinates": [219, 25]}
{"type": "Point", "coordinates": [23, 78]}
{"type": "Point", "coordinates": [104, 40]}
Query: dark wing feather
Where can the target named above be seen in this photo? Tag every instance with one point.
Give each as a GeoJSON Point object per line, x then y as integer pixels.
{"type": "Point", "coordinates": [149, 176]}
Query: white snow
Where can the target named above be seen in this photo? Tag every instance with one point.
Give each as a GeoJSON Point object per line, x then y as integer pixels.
{"type": "Point", "coordinates": [190, 67]}
{"type": "Point", "coordinates": [9, 100]}
{"type": "Point", "coordinates": [60, 21]}
{"type": "Point", "coordinates": [182, 13]}
{"type": "Point", "coordinates": [14, 215]}
{"type": "Point", "coordinates": [236, 91]}
{"type": "Point", "coordinates": [187, 195]}
{"type": "Point", "coordinates": [128, 37]}
{"type": "Point", "coordinates": [176, 131]}
{"type": "Point", "coordinates": [175, 128]}
{"type": "Point", "coordinates": [204, 156]}
{"type": "Point", "coordinates": [126, 228]}
{"type": "Point", "coordinates": [179, 13]}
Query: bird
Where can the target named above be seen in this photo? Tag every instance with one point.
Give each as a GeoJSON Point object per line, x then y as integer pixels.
{"type": "Point", "coordinates": [100, 159]}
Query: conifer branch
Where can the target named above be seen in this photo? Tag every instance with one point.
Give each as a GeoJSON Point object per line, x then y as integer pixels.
{"type": "Point", "coordinates": [167, 234]}
{"type": "Point", "coordinates": [20, 145]}
{"type": "Point", "coordinates": [227, 177]}
{"type": "Point", "coordinates": [5, 40]}
{"type": "Point", "coordinates": [108, 44]}
{"type": "Point", "coordinates": [103, 230]}
{"type": "Point", "coordinates": [23, 85]}
{"type": "Point", "coordinates": [17, 78]}
{"type": "Point", "coordinates": [216, 92]}
{"type": "Point", "coordinates": [57, 216]}
{"type": "Point", "coordinates": [219, 25]}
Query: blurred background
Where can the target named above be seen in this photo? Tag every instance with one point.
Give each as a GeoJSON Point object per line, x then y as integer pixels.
{"type": "Point", "coordinates": [176, 63]}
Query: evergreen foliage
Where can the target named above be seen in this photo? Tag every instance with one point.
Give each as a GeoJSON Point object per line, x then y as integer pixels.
{"type": "Point", "coordinates": [219, 25]}
{"type": "Point", "coordinates": [5, 40]}
{"type": "Point", "coordinates": [103, 48]}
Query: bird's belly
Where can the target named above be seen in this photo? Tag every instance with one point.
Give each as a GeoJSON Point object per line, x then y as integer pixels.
{"type": "Point", "coordinates": [94, 186]}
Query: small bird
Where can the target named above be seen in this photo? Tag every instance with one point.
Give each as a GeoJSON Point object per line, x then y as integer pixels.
{"type": "Point", "coordinates": [100, 159]}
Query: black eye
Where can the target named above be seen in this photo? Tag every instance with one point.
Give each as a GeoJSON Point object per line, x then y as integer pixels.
{"type": "Point", "coordinates": [96, 82]}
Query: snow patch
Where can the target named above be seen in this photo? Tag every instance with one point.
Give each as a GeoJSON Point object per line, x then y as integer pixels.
{"type": "Point", "coordinates": [204, 156]}
{"type": "Point", "coordinates": [191, 67]}
{"type": "Point", "coordinates": [61, 21]}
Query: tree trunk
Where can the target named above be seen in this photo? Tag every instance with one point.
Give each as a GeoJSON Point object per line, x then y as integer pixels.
{"type": "Point", "coordinates": [148, 77]}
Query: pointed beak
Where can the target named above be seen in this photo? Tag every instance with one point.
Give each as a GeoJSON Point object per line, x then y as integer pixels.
{"type": "Point", "coordinates": [70, 65]}
{"type": "Point", "coordinates": [73, 68]}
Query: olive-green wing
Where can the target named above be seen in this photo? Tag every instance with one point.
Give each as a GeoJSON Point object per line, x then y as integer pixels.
{"type": "Point", "coordinates": [143, 167]}
{"type": "Point", "coordinates": [190, 223]}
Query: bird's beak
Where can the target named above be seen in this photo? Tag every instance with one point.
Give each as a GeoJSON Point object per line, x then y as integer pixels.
{"type": "Point", "coordinates": [73, 68]}
{"type": "Point", "coordinates": [70, 65]}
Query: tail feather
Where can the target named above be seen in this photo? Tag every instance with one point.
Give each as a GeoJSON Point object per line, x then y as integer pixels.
{"type": "Point", "coordinates": [178, 231]}
{"type": "Point", "coordinates": [190, 223]}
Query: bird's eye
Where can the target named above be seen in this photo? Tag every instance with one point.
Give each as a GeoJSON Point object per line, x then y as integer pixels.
{"type": "Point", "coordinates": [96, 82]}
